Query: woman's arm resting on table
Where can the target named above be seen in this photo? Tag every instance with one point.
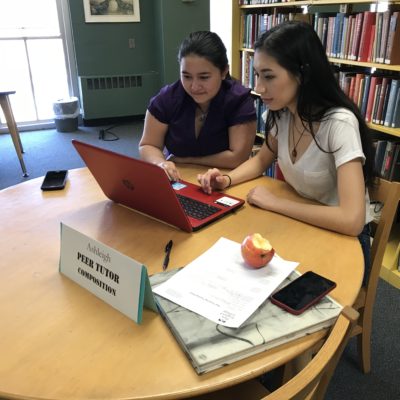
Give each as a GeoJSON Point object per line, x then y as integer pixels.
{"type": "Point", "coordinates": [151, 145]}
{"type": "Point", "coordinates": [347, 218]}
{"type": "Point", "coordinates": [250, 169]}
{"type": "Point", "coordinates": [241, 141]}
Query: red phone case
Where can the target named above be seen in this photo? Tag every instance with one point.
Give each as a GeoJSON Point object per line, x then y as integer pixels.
{"type": "Point", "coordinates": [311, 302]}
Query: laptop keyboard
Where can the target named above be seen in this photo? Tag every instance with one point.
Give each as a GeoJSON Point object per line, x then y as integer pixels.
{"type": "Point", "coordinates": [196, 209]}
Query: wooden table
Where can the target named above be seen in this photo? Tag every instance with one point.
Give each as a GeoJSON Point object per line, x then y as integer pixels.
{"type": "Point", "coordinates": [58, 341]}
{"type": "Point", "coordinates": [12, 127]}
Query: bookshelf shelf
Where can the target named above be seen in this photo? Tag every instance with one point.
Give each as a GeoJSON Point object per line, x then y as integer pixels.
{"type": "Point", "coordinates": [329, 2]}
{"type": "Point", "coordinates": [389, 67]}
{"type": "Point", "coordinates": [334, 60]}
{"type": "Point", "coordinates": [312, 3]}
{"type": "Point", "coordinates": [274, 5]}
{"type": "Point", "coordinates": [390, 131]}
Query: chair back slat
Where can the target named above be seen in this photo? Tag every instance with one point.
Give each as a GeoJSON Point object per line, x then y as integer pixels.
{"type": "Point", "coordinates": [388, 193]}
{"type": "Point", "coordinates": [312, 381]}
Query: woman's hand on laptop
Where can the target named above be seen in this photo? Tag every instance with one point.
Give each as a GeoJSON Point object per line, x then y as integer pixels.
{"type": "Point", "coordinates": [170, 169]}
{"type": "Point", "coordinates": [213, 179]}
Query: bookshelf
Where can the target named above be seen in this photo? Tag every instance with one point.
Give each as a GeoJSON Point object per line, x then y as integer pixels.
{"type": "Point", "coordinates": [310, 10]}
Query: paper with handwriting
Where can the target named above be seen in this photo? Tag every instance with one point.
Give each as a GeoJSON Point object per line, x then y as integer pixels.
{"type": "Point", "coordinates": [220, 286]}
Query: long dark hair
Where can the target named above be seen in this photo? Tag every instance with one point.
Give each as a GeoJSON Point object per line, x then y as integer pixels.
{"type": "Point", "coordinates": [297, 48]}
{"type": "Point", "coordinates": [208, 45]}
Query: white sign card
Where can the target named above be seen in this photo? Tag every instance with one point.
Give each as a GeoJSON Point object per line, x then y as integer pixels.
{"type": "Point", "coordinates": [110, 275]}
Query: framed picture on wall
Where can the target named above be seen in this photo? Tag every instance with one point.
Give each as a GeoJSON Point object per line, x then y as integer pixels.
{"type": "Point", "coordinates": [111, 10]}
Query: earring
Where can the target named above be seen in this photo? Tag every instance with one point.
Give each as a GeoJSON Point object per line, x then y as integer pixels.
{"type": "Point", "coordinates": [305, 72]}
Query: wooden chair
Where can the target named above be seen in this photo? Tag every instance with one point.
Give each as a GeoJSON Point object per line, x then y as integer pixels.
{"type": "Point", "coordinates": [309, 383]}
{"type": "Point", "coordinates": [387, 193]}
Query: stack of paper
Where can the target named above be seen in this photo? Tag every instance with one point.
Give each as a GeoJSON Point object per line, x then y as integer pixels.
{"type": "Point", "coordinates": [220, 286]}
{"type": "Point", "coordinates": [210, 343]}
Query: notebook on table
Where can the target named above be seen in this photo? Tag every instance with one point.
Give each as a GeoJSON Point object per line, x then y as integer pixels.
{"type": "Point", "coordinates": [145, 187]}
{"type": "Point", "coordinates": [209, 346]}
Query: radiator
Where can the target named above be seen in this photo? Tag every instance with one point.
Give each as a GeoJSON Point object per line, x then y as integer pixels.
{"type": "Point", "coordinates": [113, 82]}
{"type": "Point", "coordinates": [117, 96]}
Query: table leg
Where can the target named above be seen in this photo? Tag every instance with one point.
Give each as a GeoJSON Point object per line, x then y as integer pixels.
{"type": "Point", "coordinates": [12, 127]}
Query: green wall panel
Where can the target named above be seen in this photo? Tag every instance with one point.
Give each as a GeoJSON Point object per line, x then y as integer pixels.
{"type": "Point", "coordinates": [178, 20]}
{"type": "Point", "coordinates": [102, 50]}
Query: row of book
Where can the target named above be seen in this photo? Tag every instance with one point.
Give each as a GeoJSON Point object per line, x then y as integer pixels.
{"type": "Point", "coordinates": [261, 108]}
{"type": "Point", "coordinates": [274, 171]}
{"type": "Point", "coordinates": [365, 36]}
{"type": "Point", "coordinates": [387, 159]}
{"type": "Point", "coordinates": [377, 96]}
{"type": "Point", "coordinates": [255, 24]}
{"type": "Point", "coordinates": [247, 71]}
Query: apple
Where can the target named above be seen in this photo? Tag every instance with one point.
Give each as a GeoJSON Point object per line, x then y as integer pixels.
{"type": "Point", "coordinates": [256, 250]}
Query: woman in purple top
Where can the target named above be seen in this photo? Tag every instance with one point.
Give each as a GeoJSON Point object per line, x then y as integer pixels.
{"type": "Point", "coordinates": [204, 118]}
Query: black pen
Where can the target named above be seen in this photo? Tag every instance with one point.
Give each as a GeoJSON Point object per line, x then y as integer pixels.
{"type": "Point", "coordinates": [168, 248]}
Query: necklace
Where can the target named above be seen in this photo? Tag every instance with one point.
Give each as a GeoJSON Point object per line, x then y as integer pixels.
{"type": "Point", "coordinates": [294, 151]}
{"type": "Point", "coordinates": [203, 114]}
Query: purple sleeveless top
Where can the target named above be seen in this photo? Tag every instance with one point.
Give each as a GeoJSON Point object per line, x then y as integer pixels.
{"type": "Point", "coordinates": [231, 106]}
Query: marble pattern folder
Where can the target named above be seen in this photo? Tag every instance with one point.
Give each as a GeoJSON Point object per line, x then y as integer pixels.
{"type": "Point", "coordinates": [209, 346]}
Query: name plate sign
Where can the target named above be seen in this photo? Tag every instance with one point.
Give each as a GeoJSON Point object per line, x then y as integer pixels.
{"type": "Point", "coordinates": [115, 278]}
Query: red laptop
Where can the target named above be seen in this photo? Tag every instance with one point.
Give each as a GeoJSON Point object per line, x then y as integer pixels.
{"type": "Point", "coordinates": [146, 188]}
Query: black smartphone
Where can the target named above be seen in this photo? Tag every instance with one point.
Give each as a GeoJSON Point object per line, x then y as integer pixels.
{"type": "Point", "coordinates": [303, 292]}
{"type": "Point", "coordinates": [54, 180]}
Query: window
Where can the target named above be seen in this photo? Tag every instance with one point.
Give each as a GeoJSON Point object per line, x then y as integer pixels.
{"type": "Point", "coordinates": [34, 61]}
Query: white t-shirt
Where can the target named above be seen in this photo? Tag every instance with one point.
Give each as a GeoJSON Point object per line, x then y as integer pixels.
{"type": "Point", "coordinates": [314, 174]}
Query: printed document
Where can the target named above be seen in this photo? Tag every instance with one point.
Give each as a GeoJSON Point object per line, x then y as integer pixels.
{"type": "Point", "coordinates": [220, 286]}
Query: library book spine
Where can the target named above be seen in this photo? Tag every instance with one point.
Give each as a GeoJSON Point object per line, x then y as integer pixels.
{"type": "Point", "coordinates": [391, 102]}
{"type": "Point", "coordinates": [392, 55]}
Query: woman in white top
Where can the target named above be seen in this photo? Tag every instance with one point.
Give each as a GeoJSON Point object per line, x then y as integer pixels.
{"type": "Point", "coordinates": [321, 141]}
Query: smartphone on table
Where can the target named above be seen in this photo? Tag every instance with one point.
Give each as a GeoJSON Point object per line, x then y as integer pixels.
{"type": "Point", "coordinates": [302, 293]}
{"type": "Point", "coordinates": [54, 180]}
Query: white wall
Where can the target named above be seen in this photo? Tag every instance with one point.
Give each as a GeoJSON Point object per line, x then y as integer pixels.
{"type": "Point", "coordinates": [221, 22]}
